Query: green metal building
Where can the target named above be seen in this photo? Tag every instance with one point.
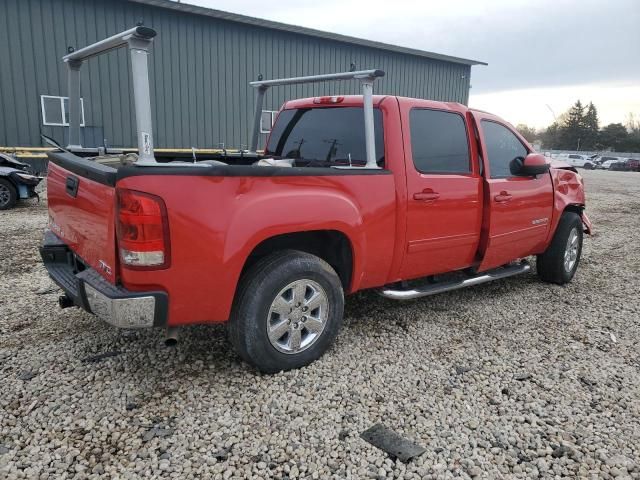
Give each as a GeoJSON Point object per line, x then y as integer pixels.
{"type": "Point", "coordinates": [201, 63]}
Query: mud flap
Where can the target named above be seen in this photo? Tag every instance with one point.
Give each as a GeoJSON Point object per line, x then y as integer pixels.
{"type": "Point", "coordinates": [586, 223]}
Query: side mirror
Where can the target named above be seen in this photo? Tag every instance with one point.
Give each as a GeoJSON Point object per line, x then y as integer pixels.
{"type": "Point", "coordinates": [529, 166]}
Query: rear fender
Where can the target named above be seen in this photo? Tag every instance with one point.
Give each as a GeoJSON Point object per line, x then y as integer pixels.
{"type": "Point", "coordinates": [264, 217]}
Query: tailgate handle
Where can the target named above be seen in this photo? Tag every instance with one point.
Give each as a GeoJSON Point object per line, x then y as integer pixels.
{"type": "Point", "coordinates": [72, 185]}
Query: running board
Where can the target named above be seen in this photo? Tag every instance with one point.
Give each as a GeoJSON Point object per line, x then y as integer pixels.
{"type": "Point", "coordinates": [432, 289]}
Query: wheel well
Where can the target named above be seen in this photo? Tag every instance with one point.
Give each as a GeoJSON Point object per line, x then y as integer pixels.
{"type": "Point", "coordinates": [574, 208]}
{"type": "Point", "coordinates": [332, 246]}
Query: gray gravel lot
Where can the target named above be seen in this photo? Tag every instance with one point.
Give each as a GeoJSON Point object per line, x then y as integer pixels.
{"type": "Point", "coordinates": [511, 379]}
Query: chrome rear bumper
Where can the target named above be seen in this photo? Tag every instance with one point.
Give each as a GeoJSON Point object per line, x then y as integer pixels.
{"type": "Point", "coordinates": [87, 289]}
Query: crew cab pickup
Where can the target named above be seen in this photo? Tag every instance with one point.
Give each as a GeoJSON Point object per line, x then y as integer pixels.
{"type": "Point", "coordinates": [271, 242]}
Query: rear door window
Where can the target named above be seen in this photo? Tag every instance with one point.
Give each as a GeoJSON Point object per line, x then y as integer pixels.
{"type": "Point", "coordinates": [502, 147]}
{"type": "Point", "coordinates": [439, 142]}
{"type": "Point", "coordinates": [322, 137]}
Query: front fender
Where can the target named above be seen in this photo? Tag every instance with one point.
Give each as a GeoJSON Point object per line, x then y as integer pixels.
{"type": "Point", "coordinates": [568, 192]}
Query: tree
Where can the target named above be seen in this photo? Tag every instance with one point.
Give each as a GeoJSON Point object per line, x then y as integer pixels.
{"type": "Point", "coordinates": [632, 144]}
{"type": "Point", "coordinates": [551, 136]}
{"type": "Point", "coordinates": [572, 130]}
{"type": "Point", "coordinates": [527, 132]}
{"type": "Point", "coordinates": [614, 136]}
{"type": "Point", "coordinates": [591, 128]}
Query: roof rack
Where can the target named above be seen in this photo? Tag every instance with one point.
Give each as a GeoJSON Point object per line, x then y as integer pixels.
{"type": "Point", "coordinates": [366, 78]}
{"type": "Point", "coordinates": [138, 40]}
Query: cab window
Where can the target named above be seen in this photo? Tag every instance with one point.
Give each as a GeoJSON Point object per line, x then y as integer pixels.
{"type": "Point", "coordinates": [502, 147]}
{"type": "Point", "coordinates": [439, 142]}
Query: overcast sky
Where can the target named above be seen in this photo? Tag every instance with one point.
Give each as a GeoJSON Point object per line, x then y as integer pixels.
{"type": "Point", "coordinates": [543, 55]}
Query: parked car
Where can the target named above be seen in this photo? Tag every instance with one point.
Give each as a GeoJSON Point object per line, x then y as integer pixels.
{"type": "Point", "coordinates": [633, 164]}
{"type": "Point", "coordinates": [607, 161]}
{"type": "Point", "coordinates": [620, 165]}
{"type": "Point", "coordinates": [16, 182]}
{"type": "Point", "coordinates": [577, 160]}
{"type": "Point", "coordinates": [626, 165]}
{"type": "Point", "coordinates": [406, 196]}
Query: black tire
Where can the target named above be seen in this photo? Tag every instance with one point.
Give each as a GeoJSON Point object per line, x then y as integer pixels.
{"type": "Point", "coordinates": [8, 194]}
{"type": "Point", "coordinates": [257, 293]}
{"type": "Point", "coordinates": [551, 264]}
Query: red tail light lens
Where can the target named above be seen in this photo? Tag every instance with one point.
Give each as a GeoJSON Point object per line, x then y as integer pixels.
{"type": "Point", "coordinates": [143, 230]}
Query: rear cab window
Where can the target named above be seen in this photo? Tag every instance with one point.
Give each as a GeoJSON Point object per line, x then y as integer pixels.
{"type": "Point", "coordinates": [324, 137]}
{"type": "Point", "coordinates": [439, 142]}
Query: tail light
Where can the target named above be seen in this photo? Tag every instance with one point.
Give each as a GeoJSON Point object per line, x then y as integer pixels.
{"type": "Point", "coordinates": [143, 230]}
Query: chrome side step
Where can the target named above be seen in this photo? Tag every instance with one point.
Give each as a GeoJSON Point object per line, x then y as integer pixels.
{"type": "Point", "coordinates": [432, 289]}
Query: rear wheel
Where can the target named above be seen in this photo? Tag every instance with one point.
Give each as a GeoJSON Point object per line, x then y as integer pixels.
{"type": "Point", "coordinates": [558, 264]}
{"type": "Point", "coordinates": [287, 312]}
{"type": "Point", "coordinates": [8, 194]}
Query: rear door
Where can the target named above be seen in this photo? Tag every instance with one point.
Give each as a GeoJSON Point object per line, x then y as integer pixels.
{"type": "Point", "coordinates": [444, 189]}
{"type": "Point", "coordinates": [517, 209]}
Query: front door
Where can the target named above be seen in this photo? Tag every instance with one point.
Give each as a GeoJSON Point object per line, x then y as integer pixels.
{"type": "Point", "coordinates": [518, 209]}
{"type": "Point", "coordinates": [444, 187]}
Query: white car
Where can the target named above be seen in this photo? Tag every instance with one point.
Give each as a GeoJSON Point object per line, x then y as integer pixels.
{"type": "Point", "coordinates": [606, 162]}
{"type": "Point", "coordinates": [577, 160]}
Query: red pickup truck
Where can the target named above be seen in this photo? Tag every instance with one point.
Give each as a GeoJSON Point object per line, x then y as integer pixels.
{"type": "Point", "coordinates": [271, 242]}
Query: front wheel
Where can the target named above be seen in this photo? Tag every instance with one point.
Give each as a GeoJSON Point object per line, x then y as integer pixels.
{"type": "Point", "coordinates": [288, 311]}
{"type": "Point", "coordinates": [559, 262]}
{"type": "Point", "coordinates": [8, 194]}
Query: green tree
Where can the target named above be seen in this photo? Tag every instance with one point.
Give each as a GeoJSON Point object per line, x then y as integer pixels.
{"type": "Point", "coordinates": [591, 128]}
{"type": "Point", "coordinates": [527, 132]}
{"type": "Point", "coordinates": [632, 143]}
{"type": "Point", "coordinates": [572, 130]}
{"type": "Point", "coordinates": [550, 137]}
{"type": "Point", "coordinates": [614, 136]}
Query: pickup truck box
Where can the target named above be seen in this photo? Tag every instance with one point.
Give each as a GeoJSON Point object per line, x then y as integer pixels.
{"type": "Point", "coordinates": [272, 242]}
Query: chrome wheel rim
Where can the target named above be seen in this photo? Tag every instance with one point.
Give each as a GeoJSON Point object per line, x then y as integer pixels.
{"type": "Point", "coordinates": [5, 195]}
{"type": "Point", "coordinates": [297, 316]}
{"type": "Point", "coordinates": [571, 251]}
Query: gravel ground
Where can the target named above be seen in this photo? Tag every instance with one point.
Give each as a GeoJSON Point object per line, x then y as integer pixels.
{"type": "Point", "coordinates": [511, 379]}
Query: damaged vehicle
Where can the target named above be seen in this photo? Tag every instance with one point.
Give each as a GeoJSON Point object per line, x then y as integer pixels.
{"type": "Point", "coordinates": [405, 196]}
{"type": "Point", "coordinates": [16, 182]}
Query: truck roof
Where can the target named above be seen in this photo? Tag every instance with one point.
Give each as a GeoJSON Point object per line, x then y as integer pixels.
{"type": "Point", "coordinates": [356, 101]}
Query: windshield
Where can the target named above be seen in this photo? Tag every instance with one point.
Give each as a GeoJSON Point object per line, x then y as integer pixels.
{"type": "Point", "coordinates": [318, 137]}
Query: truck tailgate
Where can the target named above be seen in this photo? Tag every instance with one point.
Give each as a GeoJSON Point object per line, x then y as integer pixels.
{"type": "Point", "coordinates": [81, 197]}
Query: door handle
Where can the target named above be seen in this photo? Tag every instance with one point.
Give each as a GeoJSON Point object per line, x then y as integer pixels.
{"type": "Point", "coordinates": [427, 195]}
{"type": "Point", "coordinates": [503, 196]}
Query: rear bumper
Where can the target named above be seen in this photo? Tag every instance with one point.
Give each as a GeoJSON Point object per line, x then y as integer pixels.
{"type": "Point", "coordinates": [90, 291]}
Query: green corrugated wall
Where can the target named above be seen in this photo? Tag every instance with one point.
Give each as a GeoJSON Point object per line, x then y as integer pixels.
{"type": "Point", "coordinates": [200, 71]}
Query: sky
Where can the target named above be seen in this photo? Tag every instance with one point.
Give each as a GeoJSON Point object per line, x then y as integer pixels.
{"type": "Point", "coordinates": [543, 55]}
